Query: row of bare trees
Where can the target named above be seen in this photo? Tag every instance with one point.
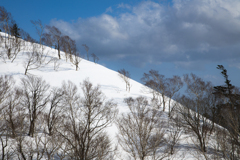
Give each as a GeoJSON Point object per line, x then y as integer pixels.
{"type": "Point", "coordinates": [10, 38]}
{"type": "Point", "coordinates": [36, 55]}
{"type": "Point", "coordinates": [53, 37]}
{"type": "Point", "coordinates": [39, 121]}
{"type": "Point", "coordinates": [210, 115]}
{"type": "Point", "coordinates": [49, 35]}
{"type": "Point", "coordinates": [164, 90]}
{"type": "Point", "coordinates": [11, 43]}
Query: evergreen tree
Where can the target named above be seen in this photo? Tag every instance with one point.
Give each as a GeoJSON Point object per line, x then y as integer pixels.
{"type": "Point", "coordinates": [228, 112]}
{"type": "Point", "coordinates": [15, 30]}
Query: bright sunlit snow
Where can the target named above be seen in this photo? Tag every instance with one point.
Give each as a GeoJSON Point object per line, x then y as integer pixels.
{"type": "Point", "coordinates": [111, 85]}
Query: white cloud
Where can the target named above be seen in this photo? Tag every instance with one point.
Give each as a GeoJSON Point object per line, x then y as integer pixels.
{"type": "Point", "coordinates": [66, 28]}
{"type": "Point", "coordinates": [203, 30]}
{"type": "Point", "coordinates": [109, 9]}
{"type": "Point", "coordinates": [122, 5]}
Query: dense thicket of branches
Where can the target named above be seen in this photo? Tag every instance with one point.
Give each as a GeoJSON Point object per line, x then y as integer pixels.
{"type": "Point", "coordinates": [161, 87]}
{"type": "Point", "coordinates": [198, 111]}
{"type": "Point", "coordinates": [60, 121]}
{"type": "Point", "coordinates": [198, 101]}
{"type": "Point", "coordinates": [86, 120]}
{"type": "Point", "coordinates": [141, 132]}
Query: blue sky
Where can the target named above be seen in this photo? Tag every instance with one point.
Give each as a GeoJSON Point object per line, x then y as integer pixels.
{"type": "Point", "coordinates": [174, 37]}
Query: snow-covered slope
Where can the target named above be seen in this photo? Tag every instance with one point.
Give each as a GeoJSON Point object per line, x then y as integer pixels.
{"type": "Point", "coordinates": [111, 84]}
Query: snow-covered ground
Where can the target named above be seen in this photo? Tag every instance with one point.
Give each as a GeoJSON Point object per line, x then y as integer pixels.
{"type": "Point", "coordinates": [111, 85]}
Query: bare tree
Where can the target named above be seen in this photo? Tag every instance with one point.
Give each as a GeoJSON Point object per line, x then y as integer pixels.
{"type": "Point", "coordinates": [20, 151]}
{"type": "Point", "coordinates": [14, 112]}
{"type": "Point", "coordinates": [69, 47]}
{"type": "Point", "coordinates": [35, 99]}
{"type": "Point", "coordinates": [141, 132]}
{"type": "Point", "coordinates": [47, 39]}
{"type": "Point", "coordinates": [125, 76]}
{"type": "Point", "coordinates": [56, 63]}
{"type": "Point", "coordinates": [34, 148]}
{"type": "Point", "coordinates": [222, 144]}
{"type": "Point", "coordinates": [158, 86]}
{"type": "Point", "coordinates": [72, 49]}
{"type": "Point", "coordinates": [26, 36]}
{"type": "Point", "coordinates": [8, 47]}
{"type": "Point", "coordinates": [16, 48]}
{"type": "Point", "coordinates": [11, 46]}
{"type": "Point", "coordinates": [53, 116]}
{"type": "Point", "coordinates": [64, 41]}
{"type": "Point", "coordinates": [6, 152]}
{"type": "Point", "coordinates": [40, 28]}
{"type": "Point", "coordinates": [95, 58]}
{"type": "Point", "coordinates": [86, 122]}
{"type": "Point", "coordinates": [29, 148]}
{"type": "Point", "coordinates": [6, 87]}
{"type": "Point", "coordinates": [77, 59]}
{"type": "Point", "coordinates": [51, 145]}
{"type": "Point", "coordinates": [36, 58]}
{"type": "Point", "coordinates": [56, 35]}
{"type": "Point", "coordinates": [5, 19]}
{"type": "Point", "coordinates": [64, 149]}
{"type": "Point", "coordinates": [2, 52]}
{"type": "Point", "coordinates": [31, 61]}
{"type": "Point", "coordinates": [4, 15]}
{"type": "Point", "coordinates": [173, 86]}
{"type": "Point", "coordinates": [192, 107]}
{"type": "Point", "coordinates": [100, 114]}
{"type": "Point", "coordinates": [86, 49]}
{"type": "Point", "coordinates": [173, 135]}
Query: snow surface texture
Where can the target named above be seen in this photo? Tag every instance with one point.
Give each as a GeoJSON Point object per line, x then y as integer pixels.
{"type": "Point", "coordinates": [111, 85]}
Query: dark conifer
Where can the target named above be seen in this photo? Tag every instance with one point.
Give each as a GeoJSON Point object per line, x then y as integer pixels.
{"type": "Point", "coordinates": [228, 110]}
{"type": "Point", "coordinates": [15, 30]}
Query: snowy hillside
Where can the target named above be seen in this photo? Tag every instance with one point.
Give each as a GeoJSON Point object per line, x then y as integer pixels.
{"type": "Point", "coordinates": [110, 84]}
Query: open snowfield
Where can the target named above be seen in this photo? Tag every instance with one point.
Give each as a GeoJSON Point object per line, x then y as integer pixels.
{"type": "Point", "coordinates": [110, 84]}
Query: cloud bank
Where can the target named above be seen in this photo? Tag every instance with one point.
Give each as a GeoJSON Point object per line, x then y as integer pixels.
{"type": "Point", "coordinates": [186, 33]}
